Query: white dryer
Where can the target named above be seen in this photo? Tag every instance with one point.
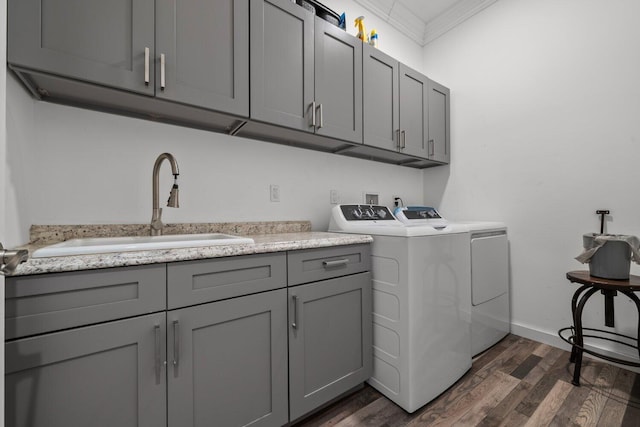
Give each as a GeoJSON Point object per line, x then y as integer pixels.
{"type": "Point", "coordinates": [490, 304]}
{"type": "Point", "coordinates": [421, 303]}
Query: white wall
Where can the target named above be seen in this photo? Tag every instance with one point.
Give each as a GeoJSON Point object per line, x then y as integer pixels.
{"type": "Point", "coordinates": [545, 130]}
{"type": "Point", "coordinates": [74, 166]}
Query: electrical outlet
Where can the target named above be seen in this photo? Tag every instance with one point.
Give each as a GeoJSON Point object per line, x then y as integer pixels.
{"type": "Point", "coordinates": [334, 197]}
{"type": "Point", "coordinates": [274, 192]}
{"type": "Point", "coordinates": [370, 198]}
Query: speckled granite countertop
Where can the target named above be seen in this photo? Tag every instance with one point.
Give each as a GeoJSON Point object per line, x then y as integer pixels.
{"type": "Point", "coordinates": [282, 240]}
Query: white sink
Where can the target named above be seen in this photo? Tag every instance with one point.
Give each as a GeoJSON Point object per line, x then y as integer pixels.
{"type": "Point", "coordinates": [98, 245]}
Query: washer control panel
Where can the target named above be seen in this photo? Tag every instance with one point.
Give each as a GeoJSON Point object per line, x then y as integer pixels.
{"type": "Point", "coordinates": [366, 213]}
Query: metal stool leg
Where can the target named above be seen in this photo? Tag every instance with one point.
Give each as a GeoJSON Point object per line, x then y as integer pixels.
{"type": "Point", "coordinates": [579, 340]}
{"type": "Point", "coordinates": [574, 304]}
{"type": "Point", "coordinates": [636, 300]}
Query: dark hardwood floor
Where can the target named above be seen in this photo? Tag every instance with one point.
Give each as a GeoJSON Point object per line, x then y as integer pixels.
{"type": "Point", "coordinates": [518, 382]}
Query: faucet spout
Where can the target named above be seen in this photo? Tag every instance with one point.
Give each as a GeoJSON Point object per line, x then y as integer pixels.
{"type": "Point", "coordinates": [156, 218]}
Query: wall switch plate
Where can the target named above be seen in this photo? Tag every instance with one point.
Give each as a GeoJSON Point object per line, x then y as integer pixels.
{"type": "Point", "coordinates": [334, 197]}
{"type": "Point", "coordinates": [274, 193]}
{"type": "Point", "coordinates": [370, 198]}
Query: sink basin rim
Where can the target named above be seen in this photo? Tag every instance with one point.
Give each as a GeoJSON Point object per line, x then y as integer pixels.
{"type": "Point", "coordinates": [100, 245]}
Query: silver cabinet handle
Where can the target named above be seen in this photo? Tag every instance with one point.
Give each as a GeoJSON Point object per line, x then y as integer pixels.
{"type": "Point", "coordinates": [176, 342]}
{"type": "Point", "coordinates": [162, 72]}
{"type": "Point", "coordinates": [336, 263]}
{"type": "Point", "coordinates": [313, 114]}
{"type": "Point", "coordinates": [404, 140]}
{"type": "Point", "coordinates": [432, 147]}
{"type": "Point", "coordinates": [320, 118]}
{"type": "Point", "coordinates": [158, 349]}
{"type": "Point", "coordinates": [146, 66]}
{"type": "Point", "coordinates": [294, 324]}
{"type": "Point", "coordinates": [398, 139]}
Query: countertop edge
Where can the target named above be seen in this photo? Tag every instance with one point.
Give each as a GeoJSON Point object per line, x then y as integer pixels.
{"type": "Point", "coordinates": [263, 244]}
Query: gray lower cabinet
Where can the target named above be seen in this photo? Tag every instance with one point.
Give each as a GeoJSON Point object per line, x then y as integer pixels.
{"type": "Point", "coordinates": [228, 362]}
{"type": "Point", "coordinates": [329, 340]}
{"type": "Point", "coordinates": [439, 121]}
{"type": "Point", "coordinates": [227, 343]}
{"type": "Point", "coordinates": [106, 375]}
{"type": "Point", "coordinates": [306, 73]}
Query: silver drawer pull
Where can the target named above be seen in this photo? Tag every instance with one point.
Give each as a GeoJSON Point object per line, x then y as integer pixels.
{"type": "Point", "coordinates": [176, 343]}
{"type": "Point", "coordinates": [320, 117]}
{"type": "Point", "coordinates": [294, 324]}
{"type": "Point", "coordinates": [162, 72]}
{"type": "Point", "coordinates": [158, 349]}
{"type": "Point", "coordinates": [313, 114]}
{"type": "Point", "coordinates": [146, 66]}
{"type": "Point", "coordinates": [336, 263]}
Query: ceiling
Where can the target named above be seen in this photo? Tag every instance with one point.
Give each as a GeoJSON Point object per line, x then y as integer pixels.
{"type": "Point", "coordinates": [424, 20]}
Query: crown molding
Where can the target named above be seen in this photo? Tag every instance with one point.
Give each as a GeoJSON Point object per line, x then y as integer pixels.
{"type": "Point", "coordinates": [420, 32]}
{"type": "Point", "coordinates": [453, 17]}
{"type": "Point", "coordinates": [399, 18]}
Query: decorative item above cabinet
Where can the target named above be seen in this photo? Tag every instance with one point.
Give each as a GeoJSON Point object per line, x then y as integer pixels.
{"type": "Point", "coordinates": [296, 79]}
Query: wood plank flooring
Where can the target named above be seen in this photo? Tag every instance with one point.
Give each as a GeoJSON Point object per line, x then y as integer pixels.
{"type": "Point", "coordinates": [518, 382]}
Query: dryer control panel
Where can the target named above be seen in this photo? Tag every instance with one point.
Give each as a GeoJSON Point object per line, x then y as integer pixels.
{"type": "Point", "coordinates": [366, 213]}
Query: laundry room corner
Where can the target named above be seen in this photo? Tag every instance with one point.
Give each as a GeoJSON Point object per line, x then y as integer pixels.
{"type": "Point", "coordinates": [544, 132]}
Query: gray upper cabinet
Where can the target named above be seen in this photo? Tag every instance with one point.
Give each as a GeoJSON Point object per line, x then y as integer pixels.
{"type": "Point", "coordinates": [97, 41]}
{"type": "Point", "coordinates": [414, 106]}
{"type": "Point", "coordinates": [228, 362]}
{"type": "Point", "coordinates": [107, 375]}
{"type": "Point", "coordinates": [381, 99]}
{"type": "Point", "coordinates": [439, 123]}
{"type": "Point", "coordinates": [306, 73]}
{"type": "Point", "coordinates": [395, 105]}
{"type": "Point", "coordinates": [338, 83]}
{"type": "Point", "coordinates": [282, 74]}
{"type": "Point", "coordinates": [202, 53]}
{"type": "Point", "coordinates": [192, 52]}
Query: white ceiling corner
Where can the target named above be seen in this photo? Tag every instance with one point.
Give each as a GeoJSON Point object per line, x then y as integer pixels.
{"type": "Point", "coordinates": [424, 21]}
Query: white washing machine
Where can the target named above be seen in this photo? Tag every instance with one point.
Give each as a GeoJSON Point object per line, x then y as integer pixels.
{"type": "Point", "coordinates": [490, 304]}
{"type": "Point", "coordinates": [421, 303]}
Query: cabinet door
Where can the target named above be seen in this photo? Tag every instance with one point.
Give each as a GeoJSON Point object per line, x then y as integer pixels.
{"type": "Point", "coordinates": [329, 340]}
{"type": "Point", "coordinates": [282, 80]}
{"type": "Point", "coordinates": [97, 41]}
{"type": "Point", "coordinates": [381, 99]}
{"type": "Point", "coordinates": [414, 106]}
{"type": "Point", "coordinates": [338, 82]}
{"type": "Point", "coordinates": [205, 46]}
{"type": "Point", "coordinates": [107, 375]}
{"type": "Point", "coordinates": [228, 362]}
{"type": "Point", "coordinates": [439, 122]}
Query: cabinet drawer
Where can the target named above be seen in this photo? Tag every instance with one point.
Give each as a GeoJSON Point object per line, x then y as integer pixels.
{"type": "Point", "coordinates": [37, 304]}
{"type": "Point", "coordinates": [197, 282]}
{"type": "Point", "coordinates": [312, 265]}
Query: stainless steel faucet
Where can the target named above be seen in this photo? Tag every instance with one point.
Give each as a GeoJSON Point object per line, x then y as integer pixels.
{"type": "Point", "coordinates": [156, 219]}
